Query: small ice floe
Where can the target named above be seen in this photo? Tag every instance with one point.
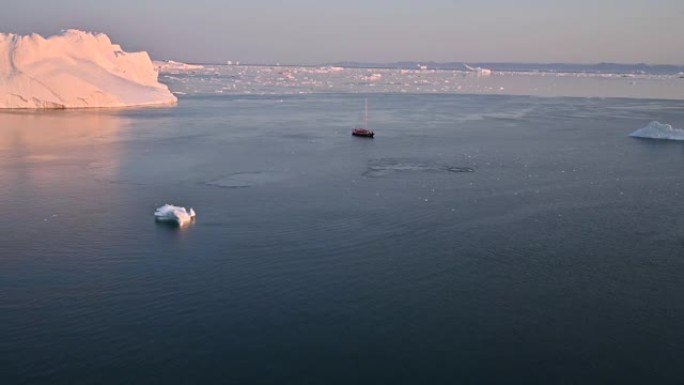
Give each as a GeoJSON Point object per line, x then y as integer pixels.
{"type": "Point", "coordinates": [656, 130]}
{"type": "Point", "coordinates": [478, 70]}
{"type": "Point", "coordinates": [174, 214]}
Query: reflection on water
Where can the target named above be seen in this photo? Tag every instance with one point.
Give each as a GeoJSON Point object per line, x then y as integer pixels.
{"type": "Point", "coordinates": [35, 130]}
{"type": "Point", "coordinates": [172, 232]}
{"type": "Point", "coordinates": [47, 167]}
{"type": "Point", "coordinates": [34, 143]}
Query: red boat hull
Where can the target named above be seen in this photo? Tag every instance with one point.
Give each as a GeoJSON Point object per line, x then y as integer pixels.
{"type": "Point", "coordinates": [363, 132]}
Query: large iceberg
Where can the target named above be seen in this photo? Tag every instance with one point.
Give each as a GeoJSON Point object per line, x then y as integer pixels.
{"type": "Point", "coordinates": [656, 130]}
{"type": "Point", "coordinates": [75, 69]}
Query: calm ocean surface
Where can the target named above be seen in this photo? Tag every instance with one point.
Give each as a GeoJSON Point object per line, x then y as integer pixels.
{"type": "Point", "coordinates": [476, 239]}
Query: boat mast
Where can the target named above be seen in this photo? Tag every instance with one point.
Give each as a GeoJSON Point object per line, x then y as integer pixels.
{"type": "Point", "coordinates": [365, 116]}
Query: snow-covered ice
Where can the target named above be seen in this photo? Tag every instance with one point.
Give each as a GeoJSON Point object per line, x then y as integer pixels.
{"type": "Point", "coordinates": [174, 66]}
{"type": "Point", "coordinates": [75, 69]}
{"type": "Point", "coordinates": [289, 80]}
{"type": "Point", "coordinates": [478, 70]}
{"type": "Point", "coordinates": [174, 214]}
{"type": "Point", "coordinates": [656, 130]}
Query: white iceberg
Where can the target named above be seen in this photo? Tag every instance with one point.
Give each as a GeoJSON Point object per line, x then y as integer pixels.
{"type": "Point", "coordinates": [75, 69]}
{"type": "Point", "coordinates": [656, 130]}
{"type": "Point", "coordinates": [478, 70]}
{"type": "Point", "coordinates": [174, 66]}
{"type": "Point", "coordinates": [174, 214]}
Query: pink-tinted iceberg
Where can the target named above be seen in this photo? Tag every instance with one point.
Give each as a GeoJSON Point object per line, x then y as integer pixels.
{"type": "Point", "coordinates": [75, 69]}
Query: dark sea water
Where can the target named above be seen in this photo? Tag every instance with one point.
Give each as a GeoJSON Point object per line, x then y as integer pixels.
{"type": "Point", "coordinates": [475, 240]}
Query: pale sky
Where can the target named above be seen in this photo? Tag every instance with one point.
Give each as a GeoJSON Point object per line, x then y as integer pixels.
{"type": "Point", "coordinates": [320, 31]}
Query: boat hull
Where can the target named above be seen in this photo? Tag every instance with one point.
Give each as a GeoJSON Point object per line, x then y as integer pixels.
{"type": "Point", "coordinates": [362, 132]}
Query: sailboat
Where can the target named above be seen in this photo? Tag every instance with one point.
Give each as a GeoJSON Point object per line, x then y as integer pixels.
{"type": "Point", "coordinates": [364, 131]}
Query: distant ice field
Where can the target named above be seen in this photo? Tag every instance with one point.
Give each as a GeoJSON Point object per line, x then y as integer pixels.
{"type": "Point", "coordinates": [289, 80]}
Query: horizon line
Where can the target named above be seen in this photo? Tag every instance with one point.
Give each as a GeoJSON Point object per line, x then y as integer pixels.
{"type": "Point", "coordinates": [431, 62]}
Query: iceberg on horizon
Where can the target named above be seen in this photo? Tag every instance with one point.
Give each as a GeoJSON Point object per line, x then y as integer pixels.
{"type": "Point", "coordinates": [657, 130]}
{"type": "Point", "coordinates": [174, 66]}
{"type": "Point", "coordinates": [478, 70]}
{"type": "Point", "coordinates": [174, 214]}
{"type": "Point", "coordinates": [75, 69]}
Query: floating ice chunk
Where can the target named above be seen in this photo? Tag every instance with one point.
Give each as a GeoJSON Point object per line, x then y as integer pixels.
{"type": "Point", "coordinates": [174, 214]}
{"type": "Point", "coordinates": [373, 77]}
{"type": "Point", "coordinates": [656, 130]}
{"type": "Point", "coordinates": [174, 66]}
{"type": "Point", "coordinates": [333, 69]}
{"type": "Point", "coordinates": [478, 70]}
{"type": "Point", "coordinates": [75, 70]}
